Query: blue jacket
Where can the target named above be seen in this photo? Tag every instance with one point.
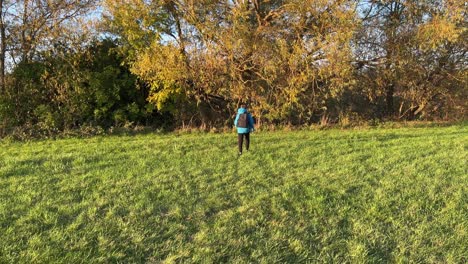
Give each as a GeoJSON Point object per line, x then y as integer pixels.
{"type": "Point", "coordinates": [244, 130]}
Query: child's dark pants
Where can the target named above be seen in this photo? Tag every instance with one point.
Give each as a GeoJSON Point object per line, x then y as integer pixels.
{"type": "Point", "coordinates": [240, 140]}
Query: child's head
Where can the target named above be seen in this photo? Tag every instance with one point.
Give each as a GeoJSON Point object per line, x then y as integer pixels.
{"type": "Point", "coordinates": [243, 105]}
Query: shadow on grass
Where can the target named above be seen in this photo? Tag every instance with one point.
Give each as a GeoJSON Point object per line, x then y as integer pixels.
{"type": "Point", "coordinates": [24, 168]}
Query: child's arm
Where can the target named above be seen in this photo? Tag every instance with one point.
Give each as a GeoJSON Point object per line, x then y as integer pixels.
{"type": "Point", "coordinates": [251, 122]}
{"type": "Point", "coordinates": [237, 118]}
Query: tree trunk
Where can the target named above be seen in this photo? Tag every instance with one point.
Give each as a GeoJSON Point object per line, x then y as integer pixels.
{"type": "Point", "coordinates": [389, 99]}
{"type": "Point", "coordinates": [2, 50]}
{"type": "Point", "coordinates": [24, 39]}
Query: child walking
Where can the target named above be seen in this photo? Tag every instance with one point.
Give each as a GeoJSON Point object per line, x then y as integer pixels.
{"type": "Point", "coordinates": [244, 124]}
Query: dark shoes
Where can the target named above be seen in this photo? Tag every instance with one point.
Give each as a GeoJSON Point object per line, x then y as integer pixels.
{"type": "Point", "coordinates": [240, 153]}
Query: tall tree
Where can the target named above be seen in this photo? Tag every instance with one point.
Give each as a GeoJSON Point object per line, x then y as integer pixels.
{"type": "Point", "coordinates": [4, 14]}
{"type": "Point", "coordinates": [39, 24]}
{"type": "Point", "coordinates": [276, 54]}
{"type": "Point", "coordinates": [28, 29]}
{"type": "Point", "coordinates": [394, 43]}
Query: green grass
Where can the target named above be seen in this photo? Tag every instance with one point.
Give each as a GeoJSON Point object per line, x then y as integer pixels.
{"type": "Point", "coordinates": [383, 195]}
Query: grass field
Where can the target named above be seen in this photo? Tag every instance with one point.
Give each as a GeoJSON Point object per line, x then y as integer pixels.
{"type": "Point", "coordinates": [334, 196]}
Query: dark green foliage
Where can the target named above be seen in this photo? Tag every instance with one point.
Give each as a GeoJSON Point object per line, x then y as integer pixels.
{"type": "Point", "coordinates": [116, 98]}
{"type": "Point", "coordinates": [68, 89]}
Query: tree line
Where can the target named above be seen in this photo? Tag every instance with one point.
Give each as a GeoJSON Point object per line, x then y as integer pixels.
{"type": "Point", "coordinates": [172, 63]}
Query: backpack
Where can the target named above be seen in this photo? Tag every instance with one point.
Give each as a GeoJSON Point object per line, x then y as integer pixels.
{"type": "Point", "coordinates": [243, 121]}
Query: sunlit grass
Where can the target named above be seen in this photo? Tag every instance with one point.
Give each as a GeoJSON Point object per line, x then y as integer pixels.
{"type": "Point", "coordinates": [386, 195]}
